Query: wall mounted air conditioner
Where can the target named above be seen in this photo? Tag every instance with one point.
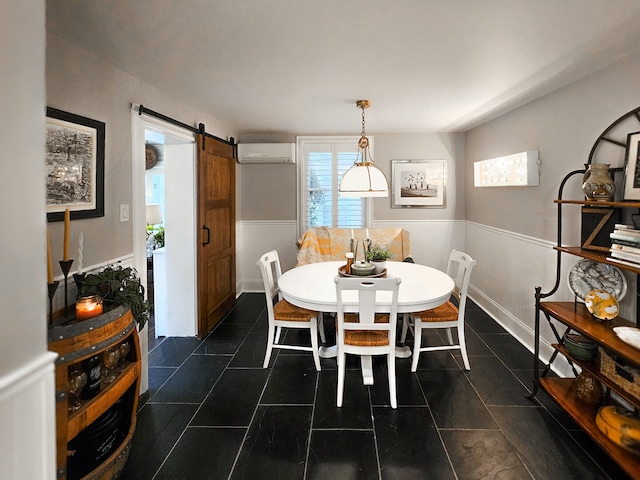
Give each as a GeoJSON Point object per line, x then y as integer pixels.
{"type": "Point", "coordinates": [263, 153]}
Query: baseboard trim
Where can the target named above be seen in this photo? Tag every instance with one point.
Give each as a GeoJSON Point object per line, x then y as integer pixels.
{"type": "Point", "coordinates": [519, 331]}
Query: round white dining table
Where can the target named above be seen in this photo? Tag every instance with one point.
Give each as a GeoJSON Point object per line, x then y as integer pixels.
{"type": "Point", "coordinates": [312, 286]}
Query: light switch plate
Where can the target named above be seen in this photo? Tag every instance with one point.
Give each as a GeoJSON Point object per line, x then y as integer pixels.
{"type": "Point", "coordinates": [124, 212]}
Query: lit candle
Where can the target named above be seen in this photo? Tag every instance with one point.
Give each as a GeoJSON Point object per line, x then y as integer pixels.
{"type": "Point", "coordinates": [67, 219]}
{"type": "Point", "coordinates": [88, 307]}
{"type": "Point", "coordinates": [80, 247]}
{"type": "Point", "coordinates": [352, 236]}
{"type": "Point", "coordinates": [49, 263]}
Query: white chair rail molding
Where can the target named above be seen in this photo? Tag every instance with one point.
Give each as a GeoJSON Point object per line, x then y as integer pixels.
{"type": "Point", "coordinates": [518, 169]}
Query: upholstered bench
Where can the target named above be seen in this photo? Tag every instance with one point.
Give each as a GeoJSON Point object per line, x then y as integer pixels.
{"type": "Point", "coordinates": [322, 244]}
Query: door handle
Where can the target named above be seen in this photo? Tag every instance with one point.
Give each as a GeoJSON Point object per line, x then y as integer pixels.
{"type": "Point", "coordinates": [208, 240]}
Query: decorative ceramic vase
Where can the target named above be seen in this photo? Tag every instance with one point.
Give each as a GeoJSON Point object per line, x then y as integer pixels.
{"type": "Point", "coordinates": [599, 185]}
{"type": "Point", "coordinates": [362, 268]}
{"type": "Point", "coordinates": [380, 265]}
{"type": "Point", "coordinates": [587, 172]}
{"type": "Point", "coordinates": [588, 389]}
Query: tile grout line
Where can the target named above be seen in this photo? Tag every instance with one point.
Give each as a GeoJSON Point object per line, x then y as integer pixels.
{"type": "Point", "coordinates": [253, 416]}
{"type": "Point", "coordinates": [187, 426]}
{"type": "Point", "coordinates": [435, 425]}
{"type": "Point", "coordinates": [375, 437]}
{"type": "Point", "coordinates": [200, 404]}
{"type": "Point", "coordinates": [313, 413]}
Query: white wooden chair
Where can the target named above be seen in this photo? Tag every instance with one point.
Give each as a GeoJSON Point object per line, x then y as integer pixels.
{"type": "Point", "coordinates": [447, 315]}
{"type": "Point", "coordinates": [283, 314]}
{"type": "Point", "coordinates": [365, 332]}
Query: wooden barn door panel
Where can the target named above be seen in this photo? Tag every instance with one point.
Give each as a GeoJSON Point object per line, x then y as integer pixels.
{"type": "Point", "coordinates": [217, 237]}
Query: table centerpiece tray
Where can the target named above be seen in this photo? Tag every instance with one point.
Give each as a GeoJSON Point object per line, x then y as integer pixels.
{"type": "Point", "coordinates": [342, 271]}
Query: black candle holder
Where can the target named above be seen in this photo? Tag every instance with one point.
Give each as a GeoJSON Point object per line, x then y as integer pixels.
{"type": "Point", "coordinates": [51, 290]}
{"type": "Point", "coordinates": [78, 278]}
{"type": "Point", "coordinates": [65, 266]}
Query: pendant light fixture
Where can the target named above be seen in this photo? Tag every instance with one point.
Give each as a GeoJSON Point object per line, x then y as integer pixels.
{"type": "Point", "coordinates": [364, 179]}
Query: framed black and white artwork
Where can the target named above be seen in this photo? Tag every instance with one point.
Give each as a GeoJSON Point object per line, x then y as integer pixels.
{"type": "Point", "coordinates": [74, 165]}
{"type": "Point", "coordinates": [418, 183]}
{"type": "Point", "coordinates": [632, 168]}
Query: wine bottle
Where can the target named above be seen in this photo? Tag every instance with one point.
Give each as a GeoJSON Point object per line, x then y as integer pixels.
{"type": "Point", "coordinates": [92, 367]}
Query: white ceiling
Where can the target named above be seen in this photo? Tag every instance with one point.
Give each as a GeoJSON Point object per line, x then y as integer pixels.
{"type": "Point", "coordinates": [298, 66]}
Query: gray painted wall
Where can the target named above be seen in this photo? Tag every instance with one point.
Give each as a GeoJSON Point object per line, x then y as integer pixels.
{"type": "Point", "coordinates": [268, 192]}
{"type": "Point", "coordinates": [23, 334]}
{"type": "Point", "coordinates": [564, 126]}
{"type": "Point", "coordinates": [81, 83]}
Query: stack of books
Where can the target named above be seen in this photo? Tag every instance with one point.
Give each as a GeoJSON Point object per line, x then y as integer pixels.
{"type": "Point", "coordinates": [625, 245]}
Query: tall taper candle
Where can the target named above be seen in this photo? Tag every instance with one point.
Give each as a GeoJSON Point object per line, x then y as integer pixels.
{"type": "Point", "coordinates": [49, 263]}
{"type": "Point", "coordinates": [80, 248]}
{"type": "Point", "coordinates": [67, 219]}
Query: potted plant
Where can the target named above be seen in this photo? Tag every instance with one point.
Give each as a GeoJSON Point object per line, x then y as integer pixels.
{"type": "Point", "coordinates": [159, 236]}
{"type": "Point", "coordinates": [118, 285]}
{"type": "Point", "coordinates": [155, 238]}
{"type": "Point", "coordinates": [378, 256]}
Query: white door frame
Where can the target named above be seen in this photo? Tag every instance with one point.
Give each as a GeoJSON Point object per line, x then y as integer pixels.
{"type": "Point", "coordinates": [140, 123]}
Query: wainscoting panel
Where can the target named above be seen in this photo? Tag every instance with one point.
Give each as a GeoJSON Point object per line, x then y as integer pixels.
{"type": "Point", "coordinates": [431, 240]}
{"type": "Point", "coordinates": [509, 268]}
{"type": "Point", "coordinates": [27, 420]}
{"type": "Point", "coordinates": [253, 238]}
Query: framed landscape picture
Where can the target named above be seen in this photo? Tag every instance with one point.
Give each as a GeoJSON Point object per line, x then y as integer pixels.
{"type": "Point", "coordinates": [74, 165]}
{"type": "Point", "coordinates": [418, 183]}
{"type": "Point", "coordinates": [632, 168]}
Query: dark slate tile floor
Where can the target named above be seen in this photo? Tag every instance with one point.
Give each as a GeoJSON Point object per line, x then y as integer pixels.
{"type": "Point", "coordinates": [213, 412]}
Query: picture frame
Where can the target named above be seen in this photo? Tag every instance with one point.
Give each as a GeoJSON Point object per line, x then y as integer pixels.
{"type": "Point", "coordinates": [631, 183]}
{"type": "Point", "coordinates": [418, 183]}
{"type": "Point", "coordinates": [74, 159]}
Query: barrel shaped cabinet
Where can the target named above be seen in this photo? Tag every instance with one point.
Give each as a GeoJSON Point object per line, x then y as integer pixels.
{"type": "Point", "coordinates": [97, 385]}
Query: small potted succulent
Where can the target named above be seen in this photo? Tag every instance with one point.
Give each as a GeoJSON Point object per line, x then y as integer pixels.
{"type": "Point", "coordinates": [378, 256]}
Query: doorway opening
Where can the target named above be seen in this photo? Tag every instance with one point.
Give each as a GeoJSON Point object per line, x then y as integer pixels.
{"type": "Point", "coordinates": [175, 192]}
{"type": "Point", "coordinates": [170, 244]}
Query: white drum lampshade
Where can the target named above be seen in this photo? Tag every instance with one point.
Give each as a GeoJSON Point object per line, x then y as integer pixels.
{"type": "Point", "coordinates": [154, 214]}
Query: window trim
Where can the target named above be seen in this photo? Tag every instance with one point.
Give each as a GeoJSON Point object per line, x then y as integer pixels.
{"type": "Point", "coordinates": [301, 172]}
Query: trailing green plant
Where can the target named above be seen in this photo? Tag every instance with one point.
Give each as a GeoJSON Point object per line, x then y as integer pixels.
{"type": "Point", "coordinates": [118, 285]}
{"type": "Point", "coordinates": [378, 254]}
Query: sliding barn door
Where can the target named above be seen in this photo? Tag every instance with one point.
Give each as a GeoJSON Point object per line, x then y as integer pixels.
{"type": "Point", "coordinates": [217, 235]}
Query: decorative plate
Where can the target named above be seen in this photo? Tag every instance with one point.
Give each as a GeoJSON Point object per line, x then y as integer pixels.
{"type": "Point", "coordinates": [151, 156]}
{"type": "Point", "coordinates": [601, 304]}
{"type": "Point", "coordinates": [629, 335]}
{"type": "Point", "coordinates": [587, 275]}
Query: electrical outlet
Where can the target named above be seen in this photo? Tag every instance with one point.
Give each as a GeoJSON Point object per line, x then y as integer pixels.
{"type": "Point", "coordinates": [124, 212]}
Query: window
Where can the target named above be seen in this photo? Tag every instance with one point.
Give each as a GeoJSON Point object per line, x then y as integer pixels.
{"type": "Point", "coordinates": [322, 162]}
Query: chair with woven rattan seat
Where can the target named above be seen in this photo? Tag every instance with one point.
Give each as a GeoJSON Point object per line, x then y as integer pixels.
{"type": "Point", "coordinates": [366, 333]}
{"type": "Point", "coordinates": [446, 316]}
{"type": "Point", "coordinates": [284, 315]}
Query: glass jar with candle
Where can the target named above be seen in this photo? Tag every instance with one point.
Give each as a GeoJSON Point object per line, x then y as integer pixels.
{"type": "Point", "coordinates": [88, 307]}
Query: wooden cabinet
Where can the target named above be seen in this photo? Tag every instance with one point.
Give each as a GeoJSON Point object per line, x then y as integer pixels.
{"type": "Point", "coordinates": [575, 317]}
{"type": "Point", "coordinates": [93, 435]}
